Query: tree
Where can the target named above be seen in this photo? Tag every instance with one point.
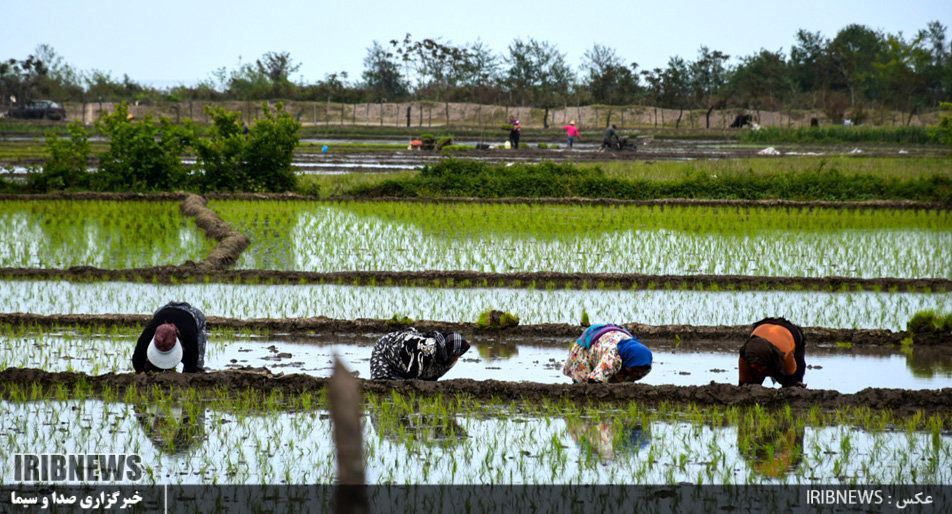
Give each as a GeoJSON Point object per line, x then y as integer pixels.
{"type": "Point", "coordinates": [901, 73]}
{"type": "Point", "coordinates": [278, 67]}
{"type": "Point", "coordinates": [143, 155]}
{"type": "Point", "coordinates": [537, 74]}
{"type": "Point", "coordinates": [382, 77]}
{"type": "Point", "coordinates": [853, 52]}
{"type": "Point", "coordinates": [939, 71]}
{"type": "Point", "coordinates": [676, 86]}
{"type": "Point", "coordinates": [762, 81]}
{"type": "Point", "coordinates": [440, 67]}
{"type": "Point", "coordinates": [481, 75]}
{"type": "Point", "coordinates": [810, 64]}
{"type": "Point", "coordinates": [653, 90]}
{"type": "Point", "coordinates": [708, 75]}
{"type": "Point", "coordinates": [22, 80]}
{"type": "Point", "coordinates": [608, 80]}
{"type": "Point", "coordinates": [257, 161]}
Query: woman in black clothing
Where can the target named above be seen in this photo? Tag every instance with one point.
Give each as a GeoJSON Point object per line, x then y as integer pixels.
{"type": "Point", "coordinates": [175, 334]}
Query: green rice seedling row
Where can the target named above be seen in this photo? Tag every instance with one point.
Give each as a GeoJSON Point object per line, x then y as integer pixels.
{"type": "Point", "coordinates": [100, 233]}
{"type": "Point", "coordinates": [407, 236]}
{"type": "Point", "coordinates": [534, 306]}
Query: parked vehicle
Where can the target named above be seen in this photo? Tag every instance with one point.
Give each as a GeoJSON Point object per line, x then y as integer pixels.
{"type": "Point", "coordinates": [38, 109]}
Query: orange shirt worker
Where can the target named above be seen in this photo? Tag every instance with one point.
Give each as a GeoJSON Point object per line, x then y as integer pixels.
{"type": "Point", "coordinates": [774, 349]}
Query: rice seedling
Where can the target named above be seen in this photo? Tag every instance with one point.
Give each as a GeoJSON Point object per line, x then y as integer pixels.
{"type": "Point", "coordinates": [398, 236]}
{"type": "Point", "coordinates": [534, 306]}
{"type": "Point", "coordinates": [107, 234]}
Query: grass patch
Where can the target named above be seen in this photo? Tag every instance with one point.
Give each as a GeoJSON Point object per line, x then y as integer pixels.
{"type": "Point", "coordinates": [492, 318]}
{"type": "Point", "coordinates": [466, 178]}
{"type": "Point", "coordinates": [840, 134]}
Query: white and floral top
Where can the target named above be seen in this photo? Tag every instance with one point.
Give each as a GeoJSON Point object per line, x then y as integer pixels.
{"type": "Point", "coordinates": [601, 362]}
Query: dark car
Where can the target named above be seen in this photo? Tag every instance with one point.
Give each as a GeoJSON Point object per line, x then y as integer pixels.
{"type": "Point", "coordinates": [39, 109]}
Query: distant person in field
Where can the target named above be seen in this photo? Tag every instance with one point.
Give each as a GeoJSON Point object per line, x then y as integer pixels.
{"type": "Point", "coordinates": [176, 334]}
{"type": "Point", "coordinates": [774, 349]}
{"type": "Point", "coordinates": [571, 133]}
{"type": "Point", "coordinates": [515, 131]}
{"type": "Point", "coordinates": [411, 354]}
{"type": "Point", "coordinates": [607, 353]}
{"type": "Point", "coordinates": [610, 139]}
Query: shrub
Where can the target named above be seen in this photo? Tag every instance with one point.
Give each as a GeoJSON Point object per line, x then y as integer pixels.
{"type": "Point", "coordinates": [399, 320]}
{"type": "Point", "coordinates": [840, 134]}
{"type": "Point", "coordinates": [66, 165]}
{"type": "Point", "coordinates": [143, 154]}
{"type": "Point", "coordinates": [491, 318]}
{"type": "Point", "coordinates": [929, 322]}
{"type": "Point", "coordinates": [257, 161]}
{"type": "Point", "coordinates": [472, 178]}
{"type": "Point", "coordinates": [942, 132]}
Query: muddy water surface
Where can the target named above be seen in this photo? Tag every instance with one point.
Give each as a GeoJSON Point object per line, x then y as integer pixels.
{"type": "Point", "coordinates": [846, 371]}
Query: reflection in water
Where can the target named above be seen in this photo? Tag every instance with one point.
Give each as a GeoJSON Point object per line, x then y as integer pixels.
{"type": "Point", "coordinates": [609, 440]}
{"type": "Point", "coordinates": [496, 445]}
{"type": "Point", "coordinates": [497, 350]}
{"type": "Point", "coordinates": [926, 362]}
{"type": "Point", "coordinates": [772, 448]}
{"type": "Point", "coordinates": [173, 430]}
{"type": "Point", "coordinates": [418, 428]}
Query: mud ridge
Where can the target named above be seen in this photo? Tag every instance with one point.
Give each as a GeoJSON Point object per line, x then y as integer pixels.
{"type": "Point", "coordinates": [673, 202]}
{"type": "Point", "coordinates": [324, 325]}
{"type": "Point", "coordinates": [90, 195]}
{"type": "Point", "coordinates": [713, 394]}
{"type": "Point", "coordinates": [230, 242]}
{"type": "Point", "coordinates": [229, 248]}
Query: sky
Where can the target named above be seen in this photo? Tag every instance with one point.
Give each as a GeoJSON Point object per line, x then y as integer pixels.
{"type": "Point", "coordinates": [169, 42]}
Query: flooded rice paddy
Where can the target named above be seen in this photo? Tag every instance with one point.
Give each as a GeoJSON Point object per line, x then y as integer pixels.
{"type": "Point", "coordinates": [101, 233]}
{"type": "Point", "coordinates": [534, 306]}
{"type": "Point", "coordinates": [489, 359]}
{"type": "Point", "coordinates": [393, 236]}
{"type": "Point", "coordinates": [195, 444]}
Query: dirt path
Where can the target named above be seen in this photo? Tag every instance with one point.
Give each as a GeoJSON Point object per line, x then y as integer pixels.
{"type": "Point", "coordinates": [899, 400]}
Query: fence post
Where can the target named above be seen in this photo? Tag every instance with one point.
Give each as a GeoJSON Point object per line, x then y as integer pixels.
{"type": "Point", "coordinates": [343, 395]}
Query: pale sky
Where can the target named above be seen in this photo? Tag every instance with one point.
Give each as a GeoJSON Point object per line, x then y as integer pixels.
{"type": "Point", "coordinates": [166, 42]}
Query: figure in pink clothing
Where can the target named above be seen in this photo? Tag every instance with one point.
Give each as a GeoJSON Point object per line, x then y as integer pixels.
{"type": "Point", "coordinates": [572, 133]}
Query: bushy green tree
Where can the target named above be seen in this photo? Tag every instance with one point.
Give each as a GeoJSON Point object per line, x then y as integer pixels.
{"type": "Point", "coordinates": [67, 162]}
{"type": "Point", "coordinates": [942, 132]}
{"type": "Point", "coordinates": [382, 77]}
{"type": "Point", "coordinates": [260, 160]}
{"type": "Point", "coordinates": [143, 155]}
{"type": "Point", "coordinates": [609, 81]}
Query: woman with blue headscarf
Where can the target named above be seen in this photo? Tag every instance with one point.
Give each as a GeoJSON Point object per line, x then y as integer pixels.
{"type": "Point", "coordinates": [607, 353]}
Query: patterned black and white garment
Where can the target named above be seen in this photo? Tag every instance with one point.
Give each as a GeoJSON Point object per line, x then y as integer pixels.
{"type": "Point", "coordinates": [413, 354]}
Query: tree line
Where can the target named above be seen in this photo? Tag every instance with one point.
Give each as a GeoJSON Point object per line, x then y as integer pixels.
{"type": "Point", "coordinates": [855, 72]}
